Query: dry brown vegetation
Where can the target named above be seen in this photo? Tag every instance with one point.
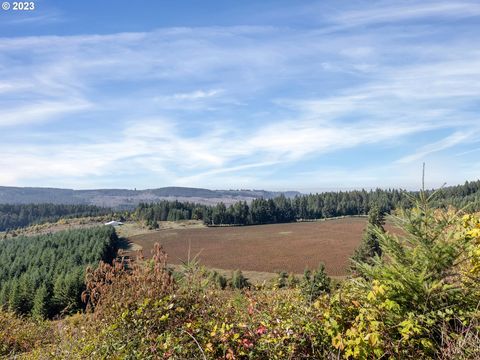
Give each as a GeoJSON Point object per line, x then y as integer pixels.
{"type": "Point", "coordinates": [266, 248]}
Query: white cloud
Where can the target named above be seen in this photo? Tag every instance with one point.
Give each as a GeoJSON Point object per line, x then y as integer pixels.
{"type": "Point", "coordinates": [445, 143]}
{"type": "Point", "coordinates": [198, 99]}
{"type": "Point", "coordinates": [38, 112]}
{"type": "Point", "coordinates": [387, 13]}
{"type": "Point", "coordinates": [195, 95]}
{"type": "Point", "coordinates": [182, 103]}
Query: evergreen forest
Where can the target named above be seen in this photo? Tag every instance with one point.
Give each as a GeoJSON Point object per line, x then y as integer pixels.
{"type": "Point", "coordinates": [306, 207]}
{"type": "Point", "coordinates": [13, 216]}
{"type": "Point", "coordinates": [44, 275]}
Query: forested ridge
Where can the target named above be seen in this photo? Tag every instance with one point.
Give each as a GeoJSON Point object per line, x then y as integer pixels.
{"type": "Point", "coordinates": [305, 207]}
{"type": "Point", "coordinates": [127, 199]}
{"type": "Point", "coordinates": [44, 275]}
{"type": "Point", "coordinates": [16, 216]}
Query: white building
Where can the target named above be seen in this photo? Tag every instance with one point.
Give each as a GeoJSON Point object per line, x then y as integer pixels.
{"type": "Point", "coordinates": [114, 223]}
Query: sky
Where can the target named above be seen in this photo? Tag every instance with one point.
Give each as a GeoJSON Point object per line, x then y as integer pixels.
{"type": "Point", "coordinates": [276, 95]}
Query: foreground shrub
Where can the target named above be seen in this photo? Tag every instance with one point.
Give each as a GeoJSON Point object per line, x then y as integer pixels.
{"type": "Point", "coordinates": [18, 335]}
{"type": "Point", "coordinates": [146, 315]}
{"type": "Point", "coordinates": [412, 301]}
{"type": "Point", "coordinates": [465, 346]}
{"type": "Point", "coordinates": [110, 289]}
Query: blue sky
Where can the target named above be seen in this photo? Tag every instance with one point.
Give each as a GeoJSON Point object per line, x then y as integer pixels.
{"type": "Point", "coordinates": [301, 95]}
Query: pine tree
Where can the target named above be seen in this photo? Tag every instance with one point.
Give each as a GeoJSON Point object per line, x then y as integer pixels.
{"type": "Point", "coordinates": [376, 217]}
{"type": "Point", "coordinates": [14, 299]}
{"type": "Point", "coordinates": [218, 279]}
{"type": "Point", "coordinates": [26, 290]}
{"type": "Point", "coordinates": [421, 278]}
{"type": "Point", "coordinates": [370, 246]}
{"type": "Point", "coordinates": [282, 279]}
{"type": "Point", "coordinates": [239, 281]}
{"type": "Point", "coordinates": [315, 283]}
{"type": "Point", "coordinates": [41, 299]}
{"type": "Point", "coordinates": [4, 294]}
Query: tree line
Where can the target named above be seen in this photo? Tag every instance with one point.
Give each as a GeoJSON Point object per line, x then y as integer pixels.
{"type": "Point", "coordinates": [45, 275]}
{"type": "Point", "coordinates": [305, 207]}
{"type": "Point", "coordinates": [13, 216]}
{"type": "Point", "coordinates": [280, 209]}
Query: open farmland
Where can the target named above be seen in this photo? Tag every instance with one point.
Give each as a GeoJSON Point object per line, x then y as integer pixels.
{"type": "Point", "coordinates": [267, 248]}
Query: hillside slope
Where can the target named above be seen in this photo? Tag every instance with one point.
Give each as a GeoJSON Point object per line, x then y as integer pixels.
{"type": "Point", "coordinates": [123, 198]}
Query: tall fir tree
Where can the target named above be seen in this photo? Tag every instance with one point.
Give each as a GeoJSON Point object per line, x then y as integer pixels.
{"type": "Point", "coordinates": [41, 300]}
{"type": "Point", "coordinates": [370, 246]}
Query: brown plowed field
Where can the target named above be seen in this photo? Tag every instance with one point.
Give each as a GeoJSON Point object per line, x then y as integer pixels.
{"type": "Point", "coordinates": [268, 248]}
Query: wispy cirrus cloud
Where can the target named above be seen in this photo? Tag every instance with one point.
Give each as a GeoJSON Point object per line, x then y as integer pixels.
{"type": "Point", "coordinates": [387, 12]}
{"type": "Point", "coordinates": [39, 16]}
{"type": "Point", "coordinates": [239, 105]}
{"type": "Point", "coordinates": [41, 111]}
{"type": "Point", "coordinates": [196, 95]}
{"type": "Point", "coordinates": [445, 143]}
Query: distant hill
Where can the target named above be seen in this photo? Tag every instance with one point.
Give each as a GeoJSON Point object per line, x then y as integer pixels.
{"type": "Point", "coordinates": [124, 199]}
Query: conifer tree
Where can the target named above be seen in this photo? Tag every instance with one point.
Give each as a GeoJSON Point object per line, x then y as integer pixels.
{"type": "Point", "coordinates": [370, 246]}
{"type": "Point", "coordinates": [315, 283]}
{"type": "Point", "coordinates": [4, 293]}
{"type": "Point", "coordinates": [239, 281]}
{"type": "Point", "coordinates": [282, 279]}
{"type": "Point", "coordinates": [419, 279]}
{"type": "Point", "coordinates": [14, 299]}
{"type": "Point", "coordinates": [40, 308]}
